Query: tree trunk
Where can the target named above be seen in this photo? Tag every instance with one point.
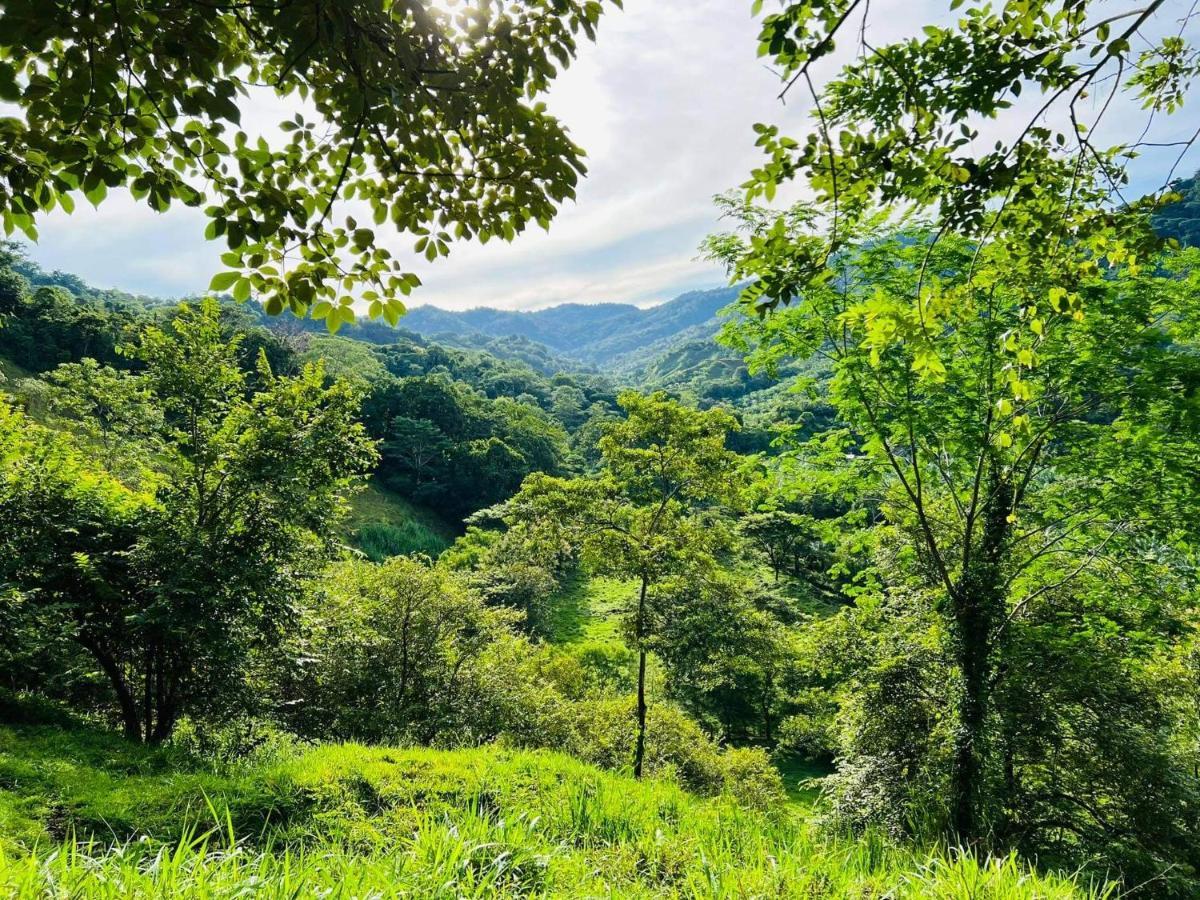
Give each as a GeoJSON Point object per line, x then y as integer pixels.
{"type": "Point", "coordinates": [148, 692]}
{"type": "Point", "coordinates": [639, 753]}
{"type": "Point", "coordinates": [125, 699]}
{"type": "Point", "coordinates": [166, 710]}
{"type": "Point", "coordinates": [768, 723]}
{"type": "Point", "coordinates": [978, 606]}
{"type": "Point", "coordinates": [973, 661]}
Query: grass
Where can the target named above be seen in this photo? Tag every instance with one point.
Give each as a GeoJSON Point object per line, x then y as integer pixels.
{"type": "Point", "coordinates": [382, 524]}
{"type": "Point", "coordinates": [11, 371]}
{"type": "Point", "coordinates": [87, 815]}
{"type": "Point", "coordinates": [802, 779]}
{"type": "Point", "coordinates": [588, 611]}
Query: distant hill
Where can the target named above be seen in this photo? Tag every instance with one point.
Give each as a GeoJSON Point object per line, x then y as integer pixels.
{"type": "Point", "coordinates": [1181, 220]}
{"type": "Point", "coordinates": [601, 334]}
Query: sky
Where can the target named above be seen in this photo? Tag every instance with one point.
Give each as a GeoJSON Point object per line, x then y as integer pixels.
{"type": "Point", "coordinates": [663, 103]}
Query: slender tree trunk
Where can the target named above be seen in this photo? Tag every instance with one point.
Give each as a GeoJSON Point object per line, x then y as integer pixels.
{"type": "Point", "coordinates": [768, 730]}
{"type": "Point", "coordinates": [166, 711]}
{"type": "Point", "coordinates": [148, 691]}
{"type": "Point", "coordinates": [639, 753]}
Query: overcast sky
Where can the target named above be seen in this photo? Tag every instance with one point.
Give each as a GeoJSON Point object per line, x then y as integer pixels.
{"type": "Point", "coordinates": [663, 103]}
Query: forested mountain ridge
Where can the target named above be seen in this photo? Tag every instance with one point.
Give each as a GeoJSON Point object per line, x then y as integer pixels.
{"type": "Point", "coordinates": [600, 334]}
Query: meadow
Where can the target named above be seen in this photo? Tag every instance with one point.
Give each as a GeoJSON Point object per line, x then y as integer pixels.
{"type": "Point", "coordinates": [85, 814]}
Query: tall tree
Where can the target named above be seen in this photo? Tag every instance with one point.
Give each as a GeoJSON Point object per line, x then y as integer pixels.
{"type": "Point", "coordinates": [996, 107]}
{"type": "Point", "coordinates": [426, 116]}
{"type": "Point", "coordinates": [1025, 478]}
{"type": "Point", "coordinates": [654, 509]}
{"type": "Point", "coordinates": [173, 589]}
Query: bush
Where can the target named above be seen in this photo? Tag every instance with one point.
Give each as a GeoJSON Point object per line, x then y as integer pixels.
{"type": "Point", "coordinates": [676, 748]}
{"type": "Point", "coordinates": [750, 778]}
{"type": "Point", "coordinates": [388, 652]}
{"type": "Point", "coordinates": [244, 741]}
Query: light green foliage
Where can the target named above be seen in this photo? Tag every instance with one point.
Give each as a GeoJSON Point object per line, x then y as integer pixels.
{"type": "Point", "coordinates": [408, 651]}
{"type": "Point", "coordinates": [67, 530]}
{"type": "Point", "coordinates": [901, 127]}
{"type": "Point", "coordinates": [111, 410]}
{"type": "Point", "coordinates": [1024, 451]}
{"type": "Point", "coordinates": [480, 823]}
{"type": "Point", "coordinates": [427, 117]}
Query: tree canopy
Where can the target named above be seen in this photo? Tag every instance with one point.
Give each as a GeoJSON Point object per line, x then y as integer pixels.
{"type": "Point", "coordinates": [985, 123]}
{"type": "Point", "coordinates": [425, 119]}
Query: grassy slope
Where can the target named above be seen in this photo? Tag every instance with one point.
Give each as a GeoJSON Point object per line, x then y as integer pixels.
{"type": "Point", "coordinates": [382, 523]}
{"type": "Point", "coordinates": [362, 821]}
{"type": "Point", "coordinates": [10, 370]}
{"type": "Point", "coordinates": [587, 610]}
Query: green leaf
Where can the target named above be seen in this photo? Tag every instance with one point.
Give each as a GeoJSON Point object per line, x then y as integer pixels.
{"type": "Point", "coordinates": [223, 281]}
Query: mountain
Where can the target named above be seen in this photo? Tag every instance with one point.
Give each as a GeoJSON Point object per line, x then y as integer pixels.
{"type": "Point", "coordinates": [601, 334]}
{"type": "Point", "coordinates": [1181, 220]}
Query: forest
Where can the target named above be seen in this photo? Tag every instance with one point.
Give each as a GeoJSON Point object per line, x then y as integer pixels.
{"type": "Point", "coordinates": [874, 573]}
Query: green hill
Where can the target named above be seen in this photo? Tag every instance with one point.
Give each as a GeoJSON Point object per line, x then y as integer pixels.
{"type": "Point", "coordinates": [355, 821]}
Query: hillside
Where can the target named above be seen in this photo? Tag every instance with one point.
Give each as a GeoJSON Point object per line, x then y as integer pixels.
{"type": "Point", "coordinates": [356, 821]}
{"type": "Point", "coordinates": [381, 523]}
{"type": "Point", "coordinates": [600, 334]}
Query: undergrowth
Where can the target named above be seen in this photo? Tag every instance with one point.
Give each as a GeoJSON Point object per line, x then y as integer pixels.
{"type": "Point", "coordinates": [85, 814]}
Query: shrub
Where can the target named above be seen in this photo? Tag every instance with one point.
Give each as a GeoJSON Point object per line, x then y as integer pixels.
{"type": "Point", "coordinates": [676, 748]}
{"type": "Point", "coordinates": [749, 777]}
{"type": "Point", "coordinates": [389, 652]}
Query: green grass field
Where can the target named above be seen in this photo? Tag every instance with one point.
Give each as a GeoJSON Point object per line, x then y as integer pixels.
{"type": "Point", "coordinates": [382, 524]}
{"type": "Point", "coordinates": [85, 814]}
{"type": "Point", "coordinates": [588, 610]}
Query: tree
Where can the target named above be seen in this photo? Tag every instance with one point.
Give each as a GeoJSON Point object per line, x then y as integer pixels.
{"type": "Point", "coordinates": [785, 539]}
{"type": "Point", "coordinates": [426, 117]}
{"type": "Point", "coordinates": [726, 655]}
{"type": "Point", "coordinates": [420, 447]}
{"type": "Point", "coordinates": [64, 555]}
{"type": "Point", "coordinates": [392, 649]}
{"type": "Point", "coordinates": [112, 409]}
{"type": "Point", "coordinates": [900, 126]}
{"type": "Point", "coordinates": [256, 486]}
{"type": "Point", "coordinates": [1180, 220]}
{"type": "Point", "coordinates": [13, 288]}
{"type": "Point", "coordinates": [173, 591]}
{"type": "Point", "coordinates": [653, 510]}
{"type": "Point", "coordinates": [1032, 448]}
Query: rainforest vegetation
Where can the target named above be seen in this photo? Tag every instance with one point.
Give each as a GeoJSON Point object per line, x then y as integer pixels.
{"type": "Point", "coordinates": [872, 574]}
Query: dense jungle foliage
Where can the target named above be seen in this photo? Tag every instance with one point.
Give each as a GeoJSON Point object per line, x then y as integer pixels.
{"type": "Point", "coordinates": [871, 575]}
